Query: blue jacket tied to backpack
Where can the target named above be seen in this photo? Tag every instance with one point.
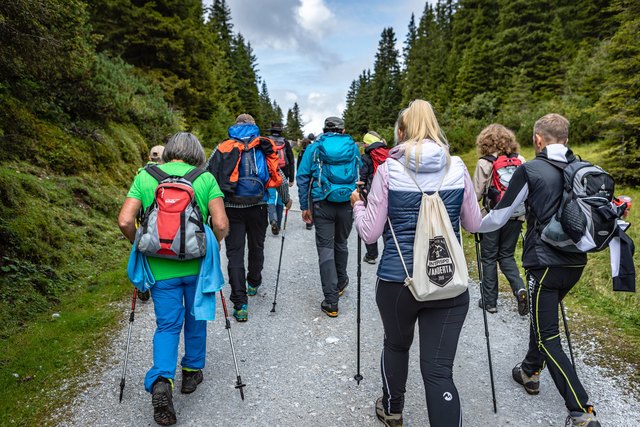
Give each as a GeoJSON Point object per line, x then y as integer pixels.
{"type": "Point", "coordinates": [329, 169]}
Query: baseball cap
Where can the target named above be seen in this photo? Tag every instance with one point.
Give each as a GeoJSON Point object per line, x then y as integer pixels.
{"type": "Point", "coordinates": [334, 123]}
{"type": "Point", "coordinates": [155, 155]}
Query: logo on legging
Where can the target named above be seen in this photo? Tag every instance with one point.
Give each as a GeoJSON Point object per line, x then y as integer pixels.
{"type": "Point", "coordinates": [439, 263]}
{"type": "Point", "coordinates": [447, 396]}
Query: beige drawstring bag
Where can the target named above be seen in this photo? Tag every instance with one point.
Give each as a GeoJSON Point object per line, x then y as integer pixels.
{"type": "Point", "coordinates": [439, 266]}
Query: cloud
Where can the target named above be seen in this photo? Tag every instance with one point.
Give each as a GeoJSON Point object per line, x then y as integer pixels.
{"type": "Point", "coordinates": [284, 25]}
{"type": "Point", "coordinates": [315, 16]}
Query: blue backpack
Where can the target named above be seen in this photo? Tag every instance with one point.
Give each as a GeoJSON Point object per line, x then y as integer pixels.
{"type": "Point", "coordinates": [338, 160]}
{"type": "Point", "coordinates": [253, 175]}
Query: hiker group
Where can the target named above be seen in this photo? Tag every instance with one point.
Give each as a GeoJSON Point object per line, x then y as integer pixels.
{"type": "Point", "coordinates": [416, 196]}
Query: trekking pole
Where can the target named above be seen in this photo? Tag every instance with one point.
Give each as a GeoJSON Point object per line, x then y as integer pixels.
{"type": "Point", "coordinates": [358, 375]}
{"type": "Point", "coordinates": [284, 231]}
{"type": "Point", "coordinates": [239, 384]}
{"type": "Point", "coordinates": [126, 352]}
{"type": "Point", "coordinates": [566, 331]}
{"type": "Point", "coordinates": [486, 327]}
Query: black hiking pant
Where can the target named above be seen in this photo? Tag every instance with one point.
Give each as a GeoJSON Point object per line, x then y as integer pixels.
{"type": "Point", "coordinates": [498, 247]}
{"type": "Point", "coordinates": [372, 250]}
{"type": "Point", "coordinates": [547, 287]}
{"type": "Point", "coordinates": [250, 224]}
{"type": "Point", "coordinates": [333, 222]}
{"type": "Point", "coordinates": [440, 323]}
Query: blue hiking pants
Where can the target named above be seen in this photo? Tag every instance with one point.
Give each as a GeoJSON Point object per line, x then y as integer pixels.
{"type": "Point", "coordinates": [275, 207]}
{"type": "Point", "coordinates": [173, 305]}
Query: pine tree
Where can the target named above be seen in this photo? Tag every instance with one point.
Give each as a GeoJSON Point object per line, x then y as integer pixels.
{"type": "Point", "coordinates": [245, 77]}
{"type": "Point", "coordinates": [294, 124]}
{"type": "Point", "coordinates": [386, 82]}
{"type": "Point", "coordinates": [621, 99]}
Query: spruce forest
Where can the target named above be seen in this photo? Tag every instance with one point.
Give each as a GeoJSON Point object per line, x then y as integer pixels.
{"type": "Point", "coordinates": [512, 61]}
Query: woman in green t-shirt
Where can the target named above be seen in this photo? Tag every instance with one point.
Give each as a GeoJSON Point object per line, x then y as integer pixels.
{"type": "Point", "coordinates": [174, 290]}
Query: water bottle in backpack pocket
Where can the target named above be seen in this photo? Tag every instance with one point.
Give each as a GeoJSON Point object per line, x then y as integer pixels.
{"type": "Point", "coordinates": [586, 220]}
{"type": "Point", "coordinates": [338, 161]}
{"type": "Point", "coordinates": [172, 226]}
{"type": "Point", "coordinates": [253, 174]}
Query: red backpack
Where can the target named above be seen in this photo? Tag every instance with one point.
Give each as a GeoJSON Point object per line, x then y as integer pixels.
{"type": "Point", "coordinates": [502, 170]}
{"type": "Point", "coordinates": [378, 156]}
{"type": "Point", "coordinates": [172, 226]}
{"type": "Point", "coordinates": [282, 155]}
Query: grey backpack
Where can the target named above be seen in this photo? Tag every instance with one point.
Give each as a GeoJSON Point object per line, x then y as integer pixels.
{"type": "Point", "coordinates": [172, 226]}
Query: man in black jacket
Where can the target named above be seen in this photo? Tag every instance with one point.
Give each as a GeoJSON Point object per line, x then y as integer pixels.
{"type": "Point", "coordinates": [551, 273]}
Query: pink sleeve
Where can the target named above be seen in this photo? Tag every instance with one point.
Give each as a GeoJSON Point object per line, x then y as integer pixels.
{"type": "Point", "coordinates": [370, 220]}
{"type": "Point", "coordinates": [470, 215]}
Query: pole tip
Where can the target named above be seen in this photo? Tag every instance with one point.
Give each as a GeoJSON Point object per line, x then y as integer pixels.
{"type": "Point", "coordinates": [358, 378]}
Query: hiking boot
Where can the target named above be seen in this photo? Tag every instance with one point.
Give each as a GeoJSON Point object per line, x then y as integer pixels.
{"type": "Point", "coordinates": [330, 310]}
{"type": "Point", "coordinates": [274, 228]}
{"type": "Point", "coordinates": [190, 380]}
{"type": "Point", "coordinates": [252, 290]}
{"type": "Point", "coordinates": [309, 226]}
{"type": "Point", "coordinates": [341, 288]}
{"type": "Point", "coordinates": [241, 314]}
{"type": "Point", "coordinates": [389, 420]}
{"type": "Point", "coordinates": [582, 419]}
{"type": "Point", "coordinates": [523, 307]}
{"type": "Point", "coordinates": [531, 383]}
{"type": "Point", "coordinates": [490, 308]}
{"type": "Point", "coordinates": [162, 401]}
{"type": "Point", "coordinates": [369, 260]}
{"type": "Point", "coordinates": [144, 296]}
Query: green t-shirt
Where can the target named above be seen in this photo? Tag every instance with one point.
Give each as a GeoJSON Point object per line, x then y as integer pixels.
{"type": "Point", "coordinates": [205, 188]}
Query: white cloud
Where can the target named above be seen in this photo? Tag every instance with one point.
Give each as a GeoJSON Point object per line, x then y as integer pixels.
{"type": "Point", "coordinates": [315, 16]}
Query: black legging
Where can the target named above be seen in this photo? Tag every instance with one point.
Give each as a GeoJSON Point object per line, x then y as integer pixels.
{"type": "Point", "coordinates": [440, 323]}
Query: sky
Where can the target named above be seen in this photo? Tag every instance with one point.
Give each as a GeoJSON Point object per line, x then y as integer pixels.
{"type": "Point", "coordinates": [309, 51]}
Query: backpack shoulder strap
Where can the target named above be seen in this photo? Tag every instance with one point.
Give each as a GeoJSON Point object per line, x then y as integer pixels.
{"type": "Point", "coordinates": [193, 175]}
{"type": "Point", "coordinates": [559, 165]}
{"type": "Point", "coordinates": [156, 172]}
{"type": "Point", "coordinates": [489, 158]}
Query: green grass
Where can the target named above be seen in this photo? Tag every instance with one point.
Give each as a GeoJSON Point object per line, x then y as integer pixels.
{"type": "Point", "coordinates": [597, 313]}
{"type": "Point", "coordinates": [42, 366]}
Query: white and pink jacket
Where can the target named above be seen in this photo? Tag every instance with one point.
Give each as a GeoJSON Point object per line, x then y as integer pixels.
{"type": "Point", "coordinates": [395, 195]}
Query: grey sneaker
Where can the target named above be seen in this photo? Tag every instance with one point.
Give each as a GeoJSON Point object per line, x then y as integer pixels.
{"type": "Point", "coordinates": [582, 419]}
{"type": "Point", "coordinates": [389, 420]}
{"type": "Point", "coordinates": [523, 307]}
{"type": "Point", "coordinates": [531, 383]}
{"type": "Point", "coordinates": [162, 401]}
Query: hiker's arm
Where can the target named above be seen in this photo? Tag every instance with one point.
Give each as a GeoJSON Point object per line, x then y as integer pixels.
{"type": "Point", "coordinates": [470, 216]}
{"type": "Point", "coordinates": [516, 194]}
{"type": "Point", "coordinates": [127, 217]}
{"type": "Point", "coordinates": [481, 178]}
{"type": "Point", "coordinates": [219, 220]}
{"type": "Point", "coordinates": [370, 219]}
{"type": "Point", "coordinates": [304, 178]}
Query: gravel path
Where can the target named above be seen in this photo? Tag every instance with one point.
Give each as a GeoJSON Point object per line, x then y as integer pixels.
{"type": "Point", "coordinates": [299, 364]}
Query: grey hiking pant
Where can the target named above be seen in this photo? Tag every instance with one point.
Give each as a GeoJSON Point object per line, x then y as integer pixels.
{"type": "Point", "coordinates": [333, 223]}
{"type": "Point", "coordinates": [499, 247]}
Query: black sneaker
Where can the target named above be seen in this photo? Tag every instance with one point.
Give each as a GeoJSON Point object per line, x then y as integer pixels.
{"type": "Point", "coordinates": [162, 401]}
{"type": "Point", "coordinates": [309, 226]}
{"type": "Point", "coordinates": [523, 307]}
{"type": "Point", "coordinates": [389, 420]}
{"type": "Point", "coordinates": [369, 260]}
{"type": "Point", "coordinates": [190, 381]}
{"type": "Point", "coordinates": [330, 310]}
{"type": "Point", "coordinates": [490, 308]}
{"type": "Point", "coordinates": [531, 383]}
{"type": "Point", "coordinates": [274, 228]}
{"type": "Point", "coordinates": [144, 296]}
{"type": "Point", "coordinates": [341, 288]}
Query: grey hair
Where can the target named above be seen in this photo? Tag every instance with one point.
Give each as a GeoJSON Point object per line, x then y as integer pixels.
{"type": "Point", "coordinates": [184, 146]}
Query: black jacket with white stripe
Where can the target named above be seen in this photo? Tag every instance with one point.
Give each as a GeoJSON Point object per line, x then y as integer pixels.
{"type": "Point", "coordinates": [540, 185]}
